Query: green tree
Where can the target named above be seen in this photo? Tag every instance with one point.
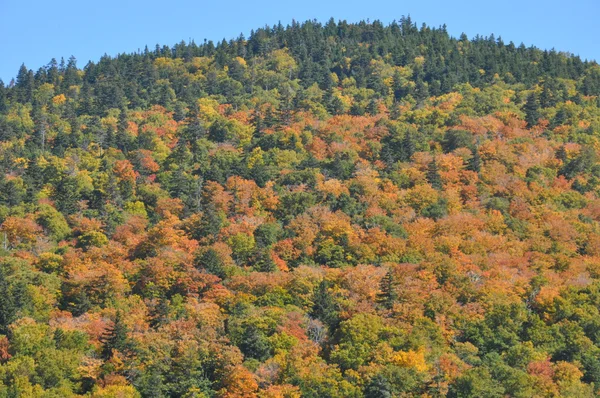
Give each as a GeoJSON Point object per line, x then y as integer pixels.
{"type": "Point", "coordinates": [388, 295]}
{"type": "Point", "coordinates": [116, 337]}
{"type": "Point", "coordinates": [325, 307]}
{"type": "Point", "coordinates": [532, 109]}
{"type": "Point", "coordinates": [433, 175]}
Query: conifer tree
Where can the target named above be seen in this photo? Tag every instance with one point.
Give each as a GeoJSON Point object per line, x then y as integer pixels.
{"type": "Point", "coordinates": [115, 337]}
{"type": "Point", "coordinates": [531, 108]}
{"type": "Point", "coordinates": [475, 161]}
{"type": "Point", "coordinates": [408, 147]}
{"type": "Point", "coordinates": [378, 387]}
{"type": "Point", "coordinates": [433, 175]}
{"type": "Point", "coordinates": [325, 308]}
{"type": "Point", "coordinates": [561, 154]}
{"type": "Point", "coordinates": [388, 295]}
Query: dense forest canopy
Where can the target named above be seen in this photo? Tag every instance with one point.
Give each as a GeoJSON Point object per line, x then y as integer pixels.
{"type": "Point", "coordinates": [317, 210]}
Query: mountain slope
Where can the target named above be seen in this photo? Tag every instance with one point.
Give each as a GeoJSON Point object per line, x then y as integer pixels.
{"type": "Point", "coordinates": [338, 210]}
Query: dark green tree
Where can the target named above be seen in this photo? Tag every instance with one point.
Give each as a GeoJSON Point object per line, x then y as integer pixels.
{"type": "Point", "coordinates": [388, 294]}
{"type": "Point", "coordinates": [408, 147]}
{"type": "Point", "coordinates": [532, 110]}
{"type": "Point", "coordinates": [433, 175]}
{"type": "Point", "coordinates": [211, 261]}
{"type": "Point", "coordinates": [325, 307]}
{"type": "Point", "coordinates": [378, 387]}
{"type": "Point", "coordinates": [116, 337]}
{"type": "Point", "coordinates": [475, 161]}
{"type": "Point", "coordinates": [255, 344]}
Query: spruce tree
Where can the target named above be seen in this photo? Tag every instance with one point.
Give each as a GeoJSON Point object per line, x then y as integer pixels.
{"type": "Point", "coordinates": [25, 85]}
{"type": "Point", "coordinates": [561, 154]}
{"type": "Point", "coordinates": [194, 129]}
{"type": "Point", "coordinates": [388, 295]}
{"type": "Point", "coordinates": [408, 147]}
{"type": "Point", "coordinates": [3, 90]}
{"type": "Point", "coordinates": [115, 337]}
{"type": "Point", "coordinates": [433, 175]}
{"type": "Point", "coordinates": [325, 308]}
{"type": "Point", "coordinates": [475, 161]}
{"type": "Point", "coordinates": [211, 262]}
{"type": "Point", "coordinates": [66, 195]}
{"type": "Point", "coordinates": [264, 262]}
{"type": "Point", "coordinates": [532, 110]}
{"type": "Point", "coordinates": [378, 387]}
{"type": "Point", "coordinates": [160, 313]}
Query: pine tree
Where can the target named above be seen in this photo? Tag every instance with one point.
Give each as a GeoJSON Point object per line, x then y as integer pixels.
{"type": "Point", "coordinates": [179, 111]}
{"type": "Point", "coordinates": [532, 108]}
{"type": "Point", "coordinates": [115, 337]}
{"type": "Point", "coordinates": [433, 175]}
{"type": "Point", "coordinates": [194, 129]}
{"type": "Point", "coordinates": [255, 344]}
{"type": "Point", "coordinates": [270, 119]}
{"type": "Point", "coordinates": [122, 139]}
{"type": "Point", "coordinates": [421, 91]}
{"type": "Point", "coordinates": [8, 300]}
{"type": "Point", "coordinates": [388, 295]}
{"type": "Point", "coordinates": [2, 96]}
{"type": "Point", "coordinates": [395, 111]}
{"type": "Point", "coordinates": [109, 138]}
{"type": "Point", "coordinates": [25, 84]}
{"type": "Point", "coordinates": [561, 154]}
{"type": "Point", "coordinates": [71, 77]}
{"type": "Point", "coordinates": [378, 387]}
{"type": "Point", "coordinates": [257, 122]}
{"type": "Point", "coordinates": [560, 118]}
{"type": "Point", "coordinates": [408, 147]}
{"type": "Point", "coordinates": [52, 75]}
{"type": "Point", "coordinates": [264, 262]}
{"type": "Point", "coordinates": [211, 262]}
{"type": "Point", "coordinates": [160, 313]}
{"type": "Point", "coordinates": [325, 308]}
{"type": "Point", "coordinates": [475, 161]}
{"type": "Point", "coordinates": [66, 195]}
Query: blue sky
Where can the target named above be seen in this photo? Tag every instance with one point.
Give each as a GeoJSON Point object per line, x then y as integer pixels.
{"type": "Point", "coordinates": [35, 31]}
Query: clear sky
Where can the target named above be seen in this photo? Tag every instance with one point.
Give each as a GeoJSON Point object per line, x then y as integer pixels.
{"type": "Point", "coordinates": [35, 31]}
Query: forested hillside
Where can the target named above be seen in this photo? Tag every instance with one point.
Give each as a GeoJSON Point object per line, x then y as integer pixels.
{"type": "Point", "coordinates": [317, 210]}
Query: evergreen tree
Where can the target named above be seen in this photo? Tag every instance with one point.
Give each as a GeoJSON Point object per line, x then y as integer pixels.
{"type": "Point", "coordinates": [433, 175]}
{"type": "Point", "coordinates": [25, 85]}
{"type": "Point", "coordinates": [8, 299]}
{"type": "Point", "coordinates": [180, 112]}
{"type": "Point", "coordinates": [561, 154]}
{"type": "Point", "coordinates": [560, 118]}
{"type": "Point", "coordinates": [211, 261]}
{"type": "Point", "coordinates": [122, 139]}
{"type": "Point", "coordinates": [421, 91]}
{"type": "Point", "coordinates": [378, 387]}
{"type": "Point", "coordinates": [194, 128]}
{"type": "Point", "coordinates": [475, 161]}
{"type": "Point", "coordinates": [115, 337]}
{"type": "Point", "coordinates": [66, 195]}
{"type": "Point", "coordinates": [52, 75]}
{"type": "Point", "coordinates": [160, 313]}
{"type": "Point", "coordinates": [255, 344]}
{"type": "Point", "coordinates": [71, 75]}
{"type": "Point", "coordinates": [2, 96]}
{"type": "Point", "coordinates": [264, 262]}
{"type": "Point", "coordinates": [408, 147]}
{"type": "Point", "coordinates": [388, 295]}
{"type": "Point", "coordinates": [532, 108]}
{"type": "Point", "coordinates": [325, 307]}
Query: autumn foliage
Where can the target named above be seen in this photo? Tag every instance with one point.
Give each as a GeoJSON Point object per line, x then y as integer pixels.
{"type": "Point", "coordinates": [338, 210]}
